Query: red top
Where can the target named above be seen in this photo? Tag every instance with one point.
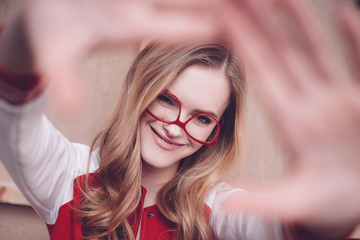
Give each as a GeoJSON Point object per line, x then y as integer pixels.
{"type": "Point", "coordinates": [153, 225]}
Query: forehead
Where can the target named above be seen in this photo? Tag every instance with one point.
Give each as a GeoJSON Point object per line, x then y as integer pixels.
{"type": "Point", "coordinates": [202, 87]}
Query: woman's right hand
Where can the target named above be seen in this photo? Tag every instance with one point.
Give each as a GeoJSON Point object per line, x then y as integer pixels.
{"type": "Point", "coordinates": [51, 38]}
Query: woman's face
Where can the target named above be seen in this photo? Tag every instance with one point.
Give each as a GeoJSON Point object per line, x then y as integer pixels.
{"type": "Point", "coordinates": [199, 89]}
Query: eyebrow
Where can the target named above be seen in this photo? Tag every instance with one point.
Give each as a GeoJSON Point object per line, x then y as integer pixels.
{"type": "Point", "coordinates": [199, 111]}
{"type": "Point", "coordinates": [206, 112]}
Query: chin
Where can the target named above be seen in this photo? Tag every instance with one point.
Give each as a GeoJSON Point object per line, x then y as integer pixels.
{"type": "Point", "coordinates": [158, 158]}
{"type": "Point", "coordinates": [156, 164]}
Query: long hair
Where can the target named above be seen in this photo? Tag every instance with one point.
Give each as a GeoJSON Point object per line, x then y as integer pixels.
{"type": "Point", "coordinates": [103, 210]}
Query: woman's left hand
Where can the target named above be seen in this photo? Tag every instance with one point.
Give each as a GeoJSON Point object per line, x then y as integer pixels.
{"type": "Point", "coordinates": [311, 92]}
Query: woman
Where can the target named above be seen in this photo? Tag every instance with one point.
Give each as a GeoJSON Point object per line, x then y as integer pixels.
{"type": "Point", "coordinates": [141, 147]}
{"type": "Point", "coordinates": [204, 87]}
{"type": "Point", "coordinates": [177, 168]}
{"type": "Point", "coordinates": [169, 134]}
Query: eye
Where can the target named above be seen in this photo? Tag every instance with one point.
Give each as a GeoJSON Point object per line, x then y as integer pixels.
{"type": "Point", "coordinates": [167, 100]}
{"type": "Point", "coordinates": [204, 120]}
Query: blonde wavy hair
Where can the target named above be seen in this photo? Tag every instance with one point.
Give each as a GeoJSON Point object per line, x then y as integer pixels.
{"type": "Point", "coordinates": [103, 210]}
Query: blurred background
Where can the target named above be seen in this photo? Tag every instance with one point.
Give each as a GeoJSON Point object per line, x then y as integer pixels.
{"type": "Point", "coordinates": [103, 74]}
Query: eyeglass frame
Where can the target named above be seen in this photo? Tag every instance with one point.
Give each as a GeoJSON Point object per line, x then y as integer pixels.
{"type": "Point", "coordinates": [183, 124]}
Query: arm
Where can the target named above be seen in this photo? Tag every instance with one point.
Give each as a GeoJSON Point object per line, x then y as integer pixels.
{"type": "Point", "coordinates": [40, 160]}
{"type": "Point", "coordinates": [233, 225]}
{"type": "Point", "coordinates": [230, 225]}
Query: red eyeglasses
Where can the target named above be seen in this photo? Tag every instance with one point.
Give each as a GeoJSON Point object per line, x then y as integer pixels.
{"type": "Point", "coordinates": [202, 128]}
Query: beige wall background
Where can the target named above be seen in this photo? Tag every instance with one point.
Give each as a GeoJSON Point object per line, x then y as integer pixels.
{"type": "Point", "coordinates": [103, 74]}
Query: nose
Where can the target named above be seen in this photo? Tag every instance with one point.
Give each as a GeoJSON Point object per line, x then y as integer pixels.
{"type": "Point", "coordinates": [173, 130]}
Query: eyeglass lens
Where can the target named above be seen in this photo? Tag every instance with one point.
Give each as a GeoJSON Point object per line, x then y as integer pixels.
{"type": "Point", "coordinates": [199, 126]}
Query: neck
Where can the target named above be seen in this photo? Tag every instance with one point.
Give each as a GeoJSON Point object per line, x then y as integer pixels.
{"type": "Point", "coordinates": [153, 179]}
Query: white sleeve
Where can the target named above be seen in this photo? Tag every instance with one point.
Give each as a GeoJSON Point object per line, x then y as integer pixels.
{"type": "Point", "coordinates": [237, 225]}
{"type": "Point", "coordinates": [41, 161]}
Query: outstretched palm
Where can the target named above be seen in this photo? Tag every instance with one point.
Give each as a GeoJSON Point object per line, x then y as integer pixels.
{"type": "Point", "coordinates": [312, 94]}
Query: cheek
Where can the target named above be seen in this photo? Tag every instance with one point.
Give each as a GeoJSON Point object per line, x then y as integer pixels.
{"type": "Point", "coordinates": [195, 146]}
{"type": "Point", "coordinates": [144, 118]}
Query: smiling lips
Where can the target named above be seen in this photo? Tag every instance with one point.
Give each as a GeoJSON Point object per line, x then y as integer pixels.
{"type": "Point", "coordinates": [164, 142]}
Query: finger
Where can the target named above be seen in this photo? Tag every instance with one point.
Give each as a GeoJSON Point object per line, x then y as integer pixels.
{"type": "Point", "coordinates": [302, 36]}
{"type": "Point", "coordinates": [312, 35]}
{"type": "Point", "coordinates": [181, 26]}
{"type": "Point", "coordinates": [311, 198]}
{"type": "Point", "coordinates": [268, 78]}
{"type": "Point", "coordinates": [296, 65]}
{"type": "Point", "coordinates": [67, 92]}
{"type": "Point", "coordinates": [284, 39]}
{"type": "Point", "coordinates": [188, 4]}
{"type": "Point", "coordinates": [349, 19]}
{"type": "Point", "coordinates": [317, 37]}
{"type": "Point", "coordinates": [61, 72]}
{"type": "Point", "coordinates": [268, 201]}
{"type": "Point", "coordinates": [140, 20]}
{"type": "Point", "coordinates": [59, 67]}
{"type": "Point", "coordinates": [293, 108]}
